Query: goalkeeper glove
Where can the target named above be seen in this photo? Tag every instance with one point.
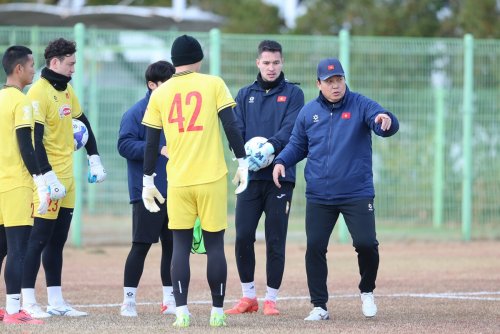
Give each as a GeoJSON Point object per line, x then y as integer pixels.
{"type": "Point", "coordinates": [43, 194]}
{"type": "Point", "coordinates": [253, 164]}
{"type": "Point", "coordinates": [266, 149]}
{"type": "Point", "coordinates": [56, 188]}
{"type": "Point", "coordinates": [259, 158]}
{"type": "Point", "coordinates": [241, 177]}
{"type": "Point", "coordinates": [96, 173]}
{"type": "Point", "coordinates": [150, 192]}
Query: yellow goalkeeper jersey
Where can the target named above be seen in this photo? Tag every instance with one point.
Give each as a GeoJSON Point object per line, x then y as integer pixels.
{"type": "Point", "coordinates": [15, 113]}
{"type": "Point", "coordinates": [55, 110]}
{"type": "Point", "coordinates": [186, 107]}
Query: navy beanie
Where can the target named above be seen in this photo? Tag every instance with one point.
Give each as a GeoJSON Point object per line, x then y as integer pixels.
{"type": "Point", "coordinates": [186, 50]}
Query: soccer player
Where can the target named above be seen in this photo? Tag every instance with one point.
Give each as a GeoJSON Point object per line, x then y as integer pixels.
{"type": "Point", "coordinates": [18, 165]}
{"type": "Point", "coordinates": [266, 108]}
{"type": "Point", "coordinates": [334, 132]}
{"type": "Point", "coordinates": [147, 226]}
{"type": "Point", "coordinates": [54, 106]}
{"type": "Point", "coordinates": [188, 108]}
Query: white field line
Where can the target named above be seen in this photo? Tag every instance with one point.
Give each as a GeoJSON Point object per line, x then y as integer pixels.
{"type": "Point", "coordinates": [478, 295]}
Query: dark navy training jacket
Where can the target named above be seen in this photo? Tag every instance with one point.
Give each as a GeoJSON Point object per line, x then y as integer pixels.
{"type": "Point", "coordinates": [336, 139]}
{"type": "Point", "coordinates": [131, 146]}
{"type": "Point", "coordinates": [270, 114]}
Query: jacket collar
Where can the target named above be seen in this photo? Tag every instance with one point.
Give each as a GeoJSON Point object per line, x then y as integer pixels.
{"type": "Point", "coordinates": [268, 85]}
{"type": "Point", "coordinates": [279, 82]}
{"type": "Point", "coordinates": [330, 105]}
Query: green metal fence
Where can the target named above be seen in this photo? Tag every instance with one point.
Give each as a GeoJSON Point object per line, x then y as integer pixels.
{"type": "Point", "coordinates": [438, 178]}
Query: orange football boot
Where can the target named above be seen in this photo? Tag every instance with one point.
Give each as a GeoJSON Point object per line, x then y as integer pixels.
{"type": "Point", "coordinates": [245, 305]}
{"type": "Point", "coordinates": [270, 308]}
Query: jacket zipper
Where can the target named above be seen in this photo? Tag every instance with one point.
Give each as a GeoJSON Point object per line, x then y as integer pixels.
{"type": "Point", "coordinates": [330, 126]}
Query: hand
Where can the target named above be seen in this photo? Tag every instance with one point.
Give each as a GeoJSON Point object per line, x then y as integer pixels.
{"type": "Point", "coordinates": [164, 152]}
{"type": "Point", "coordinates": [56, 188]}
{"type": "Point", "coordinates": [43, 194]}
{"type": "Point", "coordinates": [385, 120]}
{"type": "Point", "coordinates": [150, 192]}
{"type": "Point", "coordinates": [279, 170]}
{"type": "Point", "coordinates": [258, 160]}
{"type": "Point", "coordinates": [241, 177]}
{"type": "Point", "coordinates": [96, 173]}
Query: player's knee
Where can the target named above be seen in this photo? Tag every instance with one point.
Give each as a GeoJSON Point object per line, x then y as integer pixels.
{"type": "Point", "coordinates": [41, 233]}
{"type": "Point", "coordinates": [366, 246]}
{"type": "Point", "coordinates": [57, 243]}
{"type": "Point", "coordinates": [243, 240]}
{"type": "Point", "coordinates": [16, 255]}
{"type": "Point", "coordinates": [37, 243]}
{"type": "Point", "coordinates": [140, 249]}
{"type": "Point", "coordinates": [317, 242]}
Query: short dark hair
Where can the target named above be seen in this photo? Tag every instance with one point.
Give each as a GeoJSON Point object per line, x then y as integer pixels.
{"type": "Point", "coordinates": [268, 45]}
{"type": "Point", "coordinates": [160, 71]}
{"type": "Point", "coordinates": [14, 55]}
{"type": "Point", "coordinates": [59, 48]}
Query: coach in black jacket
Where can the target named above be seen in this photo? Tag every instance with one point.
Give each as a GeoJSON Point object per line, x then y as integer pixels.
{"type": "Point", "coordinates": [266, 108]}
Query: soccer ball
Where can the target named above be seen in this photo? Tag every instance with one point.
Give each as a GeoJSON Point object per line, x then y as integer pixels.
{"type": "Point", "coordinates": [252, 148]}
{"type": "Point", "coordinates": [80, 134]}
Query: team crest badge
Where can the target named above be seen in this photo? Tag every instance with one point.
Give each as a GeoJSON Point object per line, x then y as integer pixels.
{"type": "Point", "coordinates": [27, 113]}
{"type": "Point", "coordinates": [64, 110]}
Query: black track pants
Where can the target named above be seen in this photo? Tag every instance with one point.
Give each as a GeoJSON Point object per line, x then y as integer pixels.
{"type": "Point", "coordinates": [320, 221]}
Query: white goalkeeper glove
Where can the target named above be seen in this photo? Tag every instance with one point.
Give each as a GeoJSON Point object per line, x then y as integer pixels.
{"type": "Point", "coordinates": [96, 173]}
{"type": "Point", "coordinates": [257, 160]}
{"type": "Point", "coordinates": [150, 192]}
{"type": "Point", "coordinates": [253, 164]}
{"type": "Point", "coordinates": [43, 194]}
{"type": "Point", "coordinates": [56, 188]}
{"type": "Point", "coordinates": [241, 177]}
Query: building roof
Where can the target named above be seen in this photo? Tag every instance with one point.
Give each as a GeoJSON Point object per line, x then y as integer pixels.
{"type": "Point", "coordinates": [108, 17]}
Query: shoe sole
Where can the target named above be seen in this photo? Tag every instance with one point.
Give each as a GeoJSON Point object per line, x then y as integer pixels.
{"type": "Point", "coordinates": [39, 322]}
{"type": "Point", "coordinates": [180, 325]}
{"type": "Point", "coordinates": [28, 320]}
{"type": "Point", "coordinates": [320, 319]}
{"type": "Point", "coordinates": [68, 315]}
